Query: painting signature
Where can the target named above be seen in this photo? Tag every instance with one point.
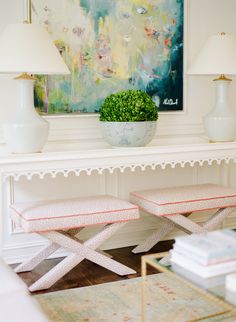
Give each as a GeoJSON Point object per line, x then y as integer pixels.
{"type": "Point", "coordinates": [170, 101]}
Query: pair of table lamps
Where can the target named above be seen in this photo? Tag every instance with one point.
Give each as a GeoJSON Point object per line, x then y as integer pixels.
{"type": "Point", "coordinates": [27, 49]}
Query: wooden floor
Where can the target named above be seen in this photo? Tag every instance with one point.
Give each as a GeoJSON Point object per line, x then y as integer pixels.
{"type": "Point", "coordinates": [87, 273]}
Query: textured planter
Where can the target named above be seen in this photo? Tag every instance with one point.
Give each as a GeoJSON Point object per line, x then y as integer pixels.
{"type": "Point", "coordinates": [128, 134]}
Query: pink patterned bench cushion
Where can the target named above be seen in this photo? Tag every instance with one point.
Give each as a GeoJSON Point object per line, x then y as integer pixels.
{"type": "Point", "coordinates": [72, 213]}
{"type": "Point", "coordinates": [170, 201]}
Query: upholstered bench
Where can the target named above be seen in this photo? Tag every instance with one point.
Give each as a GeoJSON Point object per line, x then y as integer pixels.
{"type": "Point", "coordinates": [174, 206]}
{"type": "Point", "coordinates": [61, 220]}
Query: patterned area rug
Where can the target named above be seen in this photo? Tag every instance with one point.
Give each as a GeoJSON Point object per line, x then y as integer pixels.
{"type": "Point", "coordinates": [167, 300]}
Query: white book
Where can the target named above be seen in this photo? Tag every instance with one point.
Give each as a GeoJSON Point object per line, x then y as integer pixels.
{"type": "Point", "coordinates": [206, 283]}
{"type": "Point", "coordinates": [203, 271]}
{"type": "Point", "coordinates": [209, 246]}
{"type": "Point", "coordinates": [205, 260]}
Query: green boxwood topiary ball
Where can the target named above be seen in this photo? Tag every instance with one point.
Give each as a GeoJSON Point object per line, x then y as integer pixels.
{"type": "Point", "coordinates": [128, 106]}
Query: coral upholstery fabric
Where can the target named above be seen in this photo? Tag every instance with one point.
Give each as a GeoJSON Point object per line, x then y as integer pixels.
{"type": "Point", "coordinates": [72, 213]}
{"type": "Point", "coordinates": [185, 199]}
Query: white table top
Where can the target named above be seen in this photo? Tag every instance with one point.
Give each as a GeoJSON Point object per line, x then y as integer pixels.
{"type": "Point", "coordinates": [68, 158]}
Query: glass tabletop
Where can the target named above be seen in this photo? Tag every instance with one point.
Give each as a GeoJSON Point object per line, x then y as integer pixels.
{"type": "Point", "coordinates": [195, 298]}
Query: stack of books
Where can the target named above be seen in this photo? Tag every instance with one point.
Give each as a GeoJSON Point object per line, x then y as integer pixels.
{"type": "Point", "coordinates": [205, 255]}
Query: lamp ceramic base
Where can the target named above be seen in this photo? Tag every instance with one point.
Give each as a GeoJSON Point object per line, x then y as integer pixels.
{"type": "Point", "coordinates": [220, 122]}
{"type": "Point", "coordinates": [26, 137]}
{"type": "Point", "coordinates": [27, 132]}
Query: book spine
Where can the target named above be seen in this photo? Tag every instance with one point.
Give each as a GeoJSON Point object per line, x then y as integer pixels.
{"type": "Point", "coordinates": [203, 271]}
{"type": "Point", "coordinates": [221, 257]}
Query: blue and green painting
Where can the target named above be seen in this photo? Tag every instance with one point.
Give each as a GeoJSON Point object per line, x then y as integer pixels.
{"type": "Point", "coordinates": [112, 45]}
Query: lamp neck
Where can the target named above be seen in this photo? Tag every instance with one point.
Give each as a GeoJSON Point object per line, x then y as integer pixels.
{"type": "Point", "coordinates": [25, 94]}
{"type": "Point", "coordinates": [222, 95]}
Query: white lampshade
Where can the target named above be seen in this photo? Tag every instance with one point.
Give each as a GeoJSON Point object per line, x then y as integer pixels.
{"type": "Point", "coordinates": [29, 48]}
{"type": "Point", "coordinates": [217, 57]}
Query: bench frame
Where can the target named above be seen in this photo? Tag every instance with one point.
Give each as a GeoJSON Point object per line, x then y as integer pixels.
{"type": "Point", "coordinates": [184, 223]}
{"type": "Point", "coordinates": [80, 251]}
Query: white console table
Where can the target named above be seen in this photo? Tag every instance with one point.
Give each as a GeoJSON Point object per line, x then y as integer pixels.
{"type": "Point", "coordinates": [54, 162]}
{"type": "Point", "coordinates": [109, 159]}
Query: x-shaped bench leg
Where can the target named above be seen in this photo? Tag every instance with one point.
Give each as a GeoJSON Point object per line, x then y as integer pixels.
{"type": "Point", "coordinates": [217, 218]}
{"type": "Point", "coordinates": [192, 227]}
{"type": "Point", "coordinates": [154, 238]}
{"type": "Point", "coordinates": [42, 254]}
{"type": "Point", "coordinates": [34, 261]}
{"type": "Point", "coordinates": [187, 224]}
{"type": "Point", "coordinates": [80, 252]}
{"type": "Point", "coordinates": [183, 223]}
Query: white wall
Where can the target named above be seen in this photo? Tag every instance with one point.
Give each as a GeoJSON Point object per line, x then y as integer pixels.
{"type": "Point", "coordinates": [203, 18]}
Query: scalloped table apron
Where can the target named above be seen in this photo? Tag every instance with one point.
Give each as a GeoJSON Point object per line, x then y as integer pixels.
{"type": "Point", "coordinates": [61, 220]}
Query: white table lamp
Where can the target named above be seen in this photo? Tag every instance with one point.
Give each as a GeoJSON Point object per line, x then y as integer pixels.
{"type": "Point", "coordinates": [28, 49]}
{"type": "Point", "coordinates": [218, 57]}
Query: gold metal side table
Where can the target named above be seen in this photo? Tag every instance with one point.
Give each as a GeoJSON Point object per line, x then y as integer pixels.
{"type": "Point", "coordinates": [178, 299]}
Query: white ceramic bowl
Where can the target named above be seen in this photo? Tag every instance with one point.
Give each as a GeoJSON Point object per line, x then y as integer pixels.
{"type": "Point", "coordinates": [128, 134]}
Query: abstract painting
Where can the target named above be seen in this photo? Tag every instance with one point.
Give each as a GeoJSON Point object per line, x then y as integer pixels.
{"type": "Point", "coordinates": [109, 46]}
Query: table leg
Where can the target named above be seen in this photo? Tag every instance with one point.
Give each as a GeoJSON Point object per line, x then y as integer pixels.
{"type": "Point", "coordinates": [143, 295]}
